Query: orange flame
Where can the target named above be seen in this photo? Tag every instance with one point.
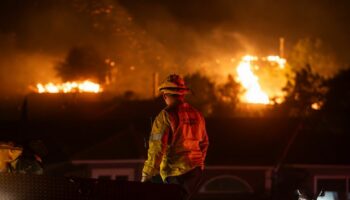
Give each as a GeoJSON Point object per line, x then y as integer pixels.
{"type": "Point", "coordinates": [69, 87]}
{"type": "Point", "coordinates": [280, 61]}
{"type": "Point", "coordinates": [250, 82]}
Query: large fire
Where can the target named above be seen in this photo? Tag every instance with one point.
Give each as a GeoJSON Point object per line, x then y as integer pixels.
{"type": "Point", "coordinates": [69, 87]}
{"type": "Point", "coordinates": [254, 93]}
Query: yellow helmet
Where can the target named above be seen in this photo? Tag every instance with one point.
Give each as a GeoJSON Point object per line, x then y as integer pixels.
{"type": "Point", "coordinates": [174, 84]}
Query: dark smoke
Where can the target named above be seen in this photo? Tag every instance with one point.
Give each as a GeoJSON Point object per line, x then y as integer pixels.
{"type": "Point", "coordinates": [83, 63]}
{"type": "Point", "coordinates": [262, 21]}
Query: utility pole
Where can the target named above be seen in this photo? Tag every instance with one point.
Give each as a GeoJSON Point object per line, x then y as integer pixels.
{"type": "Point", "coordinates": [282, 47]}
{"type": "Point", "coordinates": [155, 84]}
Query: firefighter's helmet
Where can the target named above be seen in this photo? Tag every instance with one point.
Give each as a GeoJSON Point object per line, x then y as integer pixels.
{"type": "Point", "coordinates": [174, 84]}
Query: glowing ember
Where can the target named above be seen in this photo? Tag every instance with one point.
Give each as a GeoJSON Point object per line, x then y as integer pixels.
{"type": "Point", "coordinates": [69, 87]}
{"type": "Point", "coordinates": [316, 106]}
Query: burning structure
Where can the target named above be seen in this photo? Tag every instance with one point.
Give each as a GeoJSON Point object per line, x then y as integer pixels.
{"type": "Point", "coordinates": [252, 73]}
{"type": "Point", "coordinates": [254, 93]}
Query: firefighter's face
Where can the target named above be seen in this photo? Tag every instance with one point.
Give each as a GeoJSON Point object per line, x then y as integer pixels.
{"type": "Point", "coordinates": [169, 100]}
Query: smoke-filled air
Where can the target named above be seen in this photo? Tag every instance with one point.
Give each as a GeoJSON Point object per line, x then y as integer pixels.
{"type": "Point", "coordinates": [121, 46]}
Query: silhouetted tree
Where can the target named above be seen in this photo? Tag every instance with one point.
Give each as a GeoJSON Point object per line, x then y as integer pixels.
{"type": "Point", "coordinates": [337, 105]}
{"type": "Point", "coordinates": [307, 88]}
{"type": "Point", "coordinates": [228, 98]}
{"type": "Point", "coordinates": [338, 97]}
{"type": "Point", "coordinates": [213, 100]}
{"type": "Point", "coordinates": [203, 90]}
{"type": "Point", "coordinates": [83, 63]}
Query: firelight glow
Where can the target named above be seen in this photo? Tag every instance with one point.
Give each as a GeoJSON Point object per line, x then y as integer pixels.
{"type": "Point", "coordinates": [316, 106]}
{"type": "Point", "coordinates": [69, 87]}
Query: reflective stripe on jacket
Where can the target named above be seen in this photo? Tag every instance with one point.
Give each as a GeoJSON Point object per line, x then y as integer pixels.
{"type": "Point", "coordinates": [178, 142]}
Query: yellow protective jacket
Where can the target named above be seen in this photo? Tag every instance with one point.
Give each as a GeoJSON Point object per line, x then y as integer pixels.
{"type": "Point", "coordinates": [178, 142]}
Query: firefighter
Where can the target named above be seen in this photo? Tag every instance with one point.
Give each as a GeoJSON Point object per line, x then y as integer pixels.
{"type": "Point", "coordinates": [178, 141]}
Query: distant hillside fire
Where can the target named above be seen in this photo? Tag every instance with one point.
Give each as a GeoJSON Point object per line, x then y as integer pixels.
{"type": "Point", "coordinates": [70, 87]}
{"type": "Point", "coordinates": [254, 93]}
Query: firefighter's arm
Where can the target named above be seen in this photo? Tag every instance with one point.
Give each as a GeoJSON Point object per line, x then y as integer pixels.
{"type": "Point", "coordinates": [205, 141]}
{"type": "Point", "coordinates": [157, 146]}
